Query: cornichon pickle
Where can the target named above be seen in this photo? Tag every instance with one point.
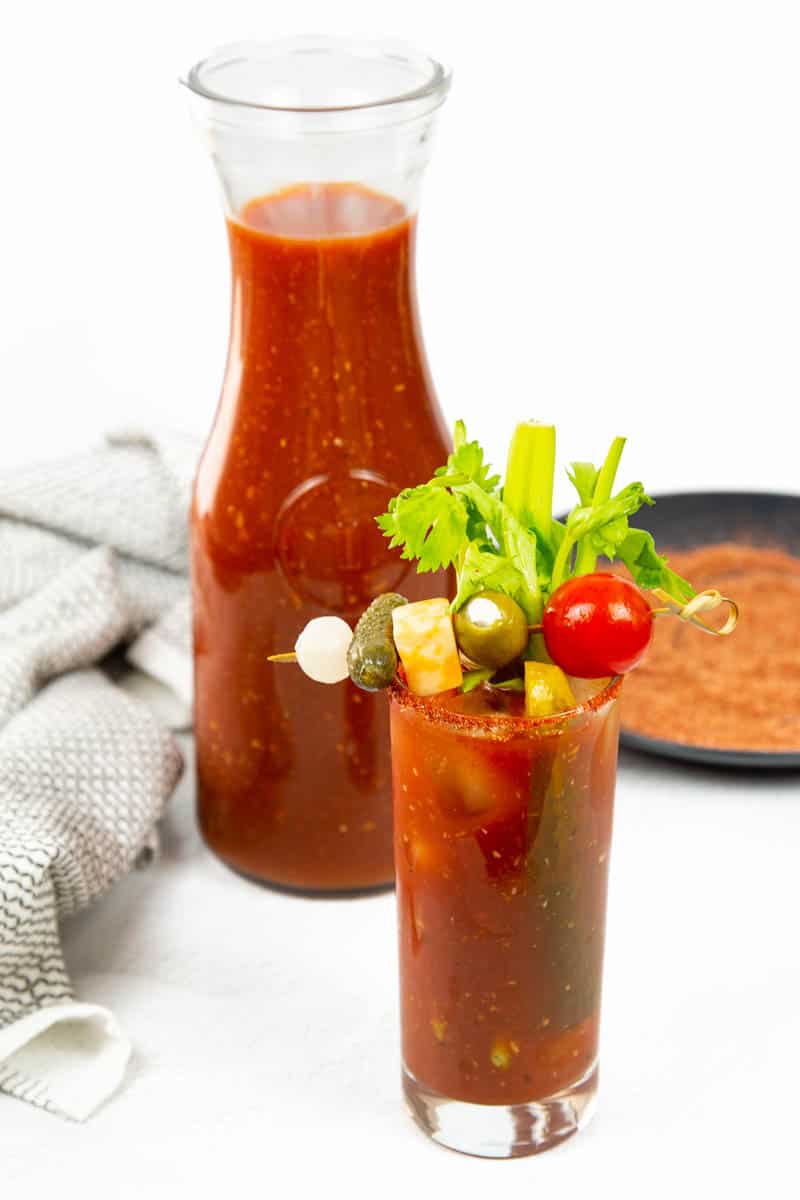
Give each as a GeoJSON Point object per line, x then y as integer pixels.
{"type": "Point", "coordinates": [372, 657]}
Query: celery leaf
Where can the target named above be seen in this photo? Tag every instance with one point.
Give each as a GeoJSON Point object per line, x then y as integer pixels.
{"type": "Point", "coordinates": [486, 570]}
{"type": "Point", "coordinates": [429, 523]}
{"type": "Point", "coordinates": [649, 568]}
{"type": "Point", "coordinates": [467, 461]}
{"type": "Point", "coordinates": [583, 477]}
{"type": "Point", "coordinates": [605, 524]}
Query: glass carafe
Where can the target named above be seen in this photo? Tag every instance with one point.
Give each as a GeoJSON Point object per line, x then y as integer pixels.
{"type": "Point", "coordinates": [327, 410]}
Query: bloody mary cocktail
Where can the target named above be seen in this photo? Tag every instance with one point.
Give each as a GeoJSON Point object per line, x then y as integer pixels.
{"type": "Point", "coordinates": [502, 837]}
{"type": "Point", "coordinates": [504, 729]}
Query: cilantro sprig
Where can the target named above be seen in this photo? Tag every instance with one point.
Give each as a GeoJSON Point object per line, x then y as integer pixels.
{"type": "Point", "coordinates": [506, 538]}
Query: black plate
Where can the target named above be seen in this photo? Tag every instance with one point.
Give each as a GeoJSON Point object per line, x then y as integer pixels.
{"type": "Point", "coordinates": [685, 520]}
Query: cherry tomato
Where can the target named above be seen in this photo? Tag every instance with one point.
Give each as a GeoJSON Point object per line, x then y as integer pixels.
{"type": "Point", "coordinates": [597, 625]}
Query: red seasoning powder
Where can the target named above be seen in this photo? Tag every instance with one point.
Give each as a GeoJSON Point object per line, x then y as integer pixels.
{"type": "Point", "coordinates": [735, 693]}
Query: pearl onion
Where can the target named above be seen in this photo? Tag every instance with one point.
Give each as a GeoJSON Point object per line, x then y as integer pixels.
{"type": "Point", "coordinates": [322, 647]}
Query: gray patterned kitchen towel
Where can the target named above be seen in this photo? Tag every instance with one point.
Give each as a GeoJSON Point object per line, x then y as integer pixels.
{"type": "Point", "coordinates": [92, 554]}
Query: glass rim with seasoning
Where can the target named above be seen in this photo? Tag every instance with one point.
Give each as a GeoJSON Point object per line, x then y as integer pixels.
{"type": "Point", "coordinates": [502, 828]}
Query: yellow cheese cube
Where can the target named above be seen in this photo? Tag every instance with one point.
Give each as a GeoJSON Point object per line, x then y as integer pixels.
{"type": "Point", "coordinates": [423, 635]}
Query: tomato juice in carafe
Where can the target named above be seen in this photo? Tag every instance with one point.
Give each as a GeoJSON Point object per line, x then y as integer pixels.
{"type": "Point", "coordinates": [327, 410]}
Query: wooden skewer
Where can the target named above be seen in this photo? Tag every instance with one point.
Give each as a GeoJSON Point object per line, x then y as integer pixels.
{"type": "Point", "coordinates": [704, 601]}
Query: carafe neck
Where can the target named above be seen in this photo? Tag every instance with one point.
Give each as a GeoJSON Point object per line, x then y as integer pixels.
{"type": "Point", "coordinates": [317, 111]}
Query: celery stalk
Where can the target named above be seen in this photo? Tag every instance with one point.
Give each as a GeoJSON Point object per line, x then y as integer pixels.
{"type": "Point", "coordinates": [528, 493]}
{"type": "Point", "coordinates": [586, 556]}
{"type": "Point", "coordinates": [528, 489]}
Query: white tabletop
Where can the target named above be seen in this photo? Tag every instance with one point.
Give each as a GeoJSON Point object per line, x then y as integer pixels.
{"type": "Point", "coordinates": [265, 1025]}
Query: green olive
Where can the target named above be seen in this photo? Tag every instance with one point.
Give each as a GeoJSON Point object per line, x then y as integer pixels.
{"type": "Point", "coordinates": [491, 629]}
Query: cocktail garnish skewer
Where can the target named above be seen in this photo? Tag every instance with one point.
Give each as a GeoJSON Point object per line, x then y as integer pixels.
{"type": "Point", "coordinates": [705, 601]}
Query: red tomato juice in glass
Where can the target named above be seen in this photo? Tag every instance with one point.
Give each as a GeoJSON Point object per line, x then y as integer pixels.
{"type": "Point", "coordinates": [502, 836]}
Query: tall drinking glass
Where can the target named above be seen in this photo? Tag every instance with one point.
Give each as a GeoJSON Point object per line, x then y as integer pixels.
{"type": "Point", "coordinates": [327, 410]}
{"type": "Point", "coordinates": [502, 837]}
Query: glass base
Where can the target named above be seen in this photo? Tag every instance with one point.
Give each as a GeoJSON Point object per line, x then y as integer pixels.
{"type": "Point", "coordinates": [500, 1130]}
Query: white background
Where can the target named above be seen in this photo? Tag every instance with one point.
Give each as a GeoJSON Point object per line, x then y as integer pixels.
{"type": "Point", "coordinates": [609, 234]}
{"type": "Point", "coordinates": [609, 238]}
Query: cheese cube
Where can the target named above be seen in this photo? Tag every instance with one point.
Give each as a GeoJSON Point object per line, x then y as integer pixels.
{"type": "Point", "coordinates": [426, 643]}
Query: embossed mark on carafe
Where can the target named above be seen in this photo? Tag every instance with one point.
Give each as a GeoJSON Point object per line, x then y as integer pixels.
{"type": "Point", "coordinates": [330, 551]}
